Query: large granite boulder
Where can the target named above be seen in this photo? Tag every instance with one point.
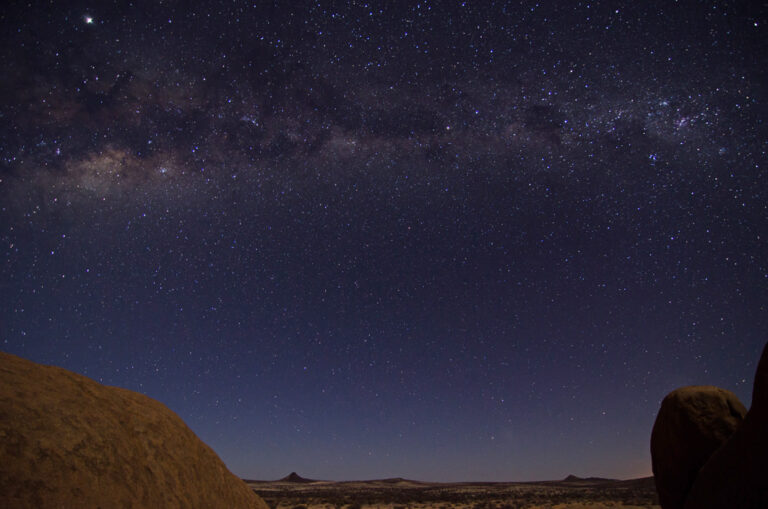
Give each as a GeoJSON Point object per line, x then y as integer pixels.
{"type": "Point", "coordinates": [736, 475]}
{"type": "Point", "coordinates": [67, 441]}
{"type": "Point", "coordinates": [693, 423]}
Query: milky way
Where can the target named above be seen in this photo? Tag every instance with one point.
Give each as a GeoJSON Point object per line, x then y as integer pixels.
{"type": "Point", "coordinates": [443, 241]}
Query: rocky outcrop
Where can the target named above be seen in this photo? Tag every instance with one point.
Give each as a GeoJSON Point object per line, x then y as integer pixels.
{"type": "Point", "coordinates": [692, 424]}
{"type": "Point", "coordinates": [68, 441]}
{"type": "Point", "coordinates": [736, 475]}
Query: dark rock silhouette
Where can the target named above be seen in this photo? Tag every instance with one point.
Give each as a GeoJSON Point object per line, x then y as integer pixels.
{"type": "Point", "coordinates": [68, 441]}
{"type": "Point", "coordinates": [736, 475]}
{"type": "Point", "coordinates": [395, 480]}
{"type": "Point", "coordinates": [591, 480]}
{"type": "Point", "coordinates": [693, 423]}
{"type": "Point", "coordinates": [294, 477]}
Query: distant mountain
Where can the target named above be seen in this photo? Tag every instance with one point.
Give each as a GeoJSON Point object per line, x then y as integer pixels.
{"type": "Point", "coordinates": [639, 483]}
{"type": "Point", "coordinates": [392, 480]}
{"type": "Point", "coordinates": [294, 477]}
{"type": "Point", "coordinates": [573, 478]}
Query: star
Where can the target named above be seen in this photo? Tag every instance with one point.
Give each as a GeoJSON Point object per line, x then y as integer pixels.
{"type": "Point", "coordinates": [566, 221]}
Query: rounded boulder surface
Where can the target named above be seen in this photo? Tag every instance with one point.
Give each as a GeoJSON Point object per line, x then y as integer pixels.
{"type": "Point", "coordinates": [736, 475]}
{"type": "Point", "coordinates": [68, 441]}
{"type": "Point", "coordinates": [693, 423]}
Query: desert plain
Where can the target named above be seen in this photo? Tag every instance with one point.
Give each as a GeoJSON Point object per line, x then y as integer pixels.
{"type": "Point", "coordinates": [294, 492]}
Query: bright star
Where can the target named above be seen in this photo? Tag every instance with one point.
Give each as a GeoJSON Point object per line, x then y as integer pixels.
{"type": "Point", "coordinates": [88, 20]}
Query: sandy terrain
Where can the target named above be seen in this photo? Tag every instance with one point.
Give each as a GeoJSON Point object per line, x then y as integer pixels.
{"type": "Point", "coordinates": [402, 494]}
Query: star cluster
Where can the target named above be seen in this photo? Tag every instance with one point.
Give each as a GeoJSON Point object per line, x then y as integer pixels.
{"type": "Point", "coordinates": [438, 240]}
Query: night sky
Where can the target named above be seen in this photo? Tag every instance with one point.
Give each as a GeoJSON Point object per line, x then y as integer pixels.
{"type": "Point", "coordinates": [437, 240]}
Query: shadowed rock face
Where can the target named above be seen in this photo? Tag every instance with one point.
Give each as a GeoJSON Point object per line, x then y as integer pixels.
{"type": "Point", "coordinates": [693, 423]}
{"type": "Point", "coordinates": [67, 441]}
{"type": "Point", "coordinates": [736, 476]}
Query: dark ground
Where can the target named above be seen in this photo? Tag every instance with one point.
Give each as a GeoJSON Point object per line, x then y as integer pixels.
{"type": "Point", "coordinates": [399, 494]}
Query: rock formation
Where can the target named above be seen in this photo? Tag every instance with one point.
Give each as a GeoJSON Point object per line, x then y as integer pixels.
{"type": "Point", "coordinates": [693, 423]}
{"type": "Point", "coordinates": [67, 441]}
{"type": "Point", "coordinates": [736, 475]}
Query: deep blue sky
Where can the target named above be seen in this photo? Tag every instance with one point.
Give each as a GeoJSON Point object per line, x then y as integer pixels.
{"type": "Point", "coordinates": [436, 240]}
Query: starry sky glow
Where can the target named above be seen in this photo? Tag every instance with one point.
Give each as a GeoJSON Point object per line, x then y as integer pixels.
{"type": "Point", "coordinates": [437, 240]}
